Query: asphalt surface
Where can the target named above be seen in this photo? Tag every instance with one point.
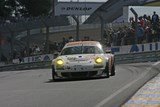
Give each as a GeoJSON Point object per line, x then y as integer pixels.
{"type": "Point", "coordinates": [34, 88]}
{"type": "Point", "coordinates": [147, 96]}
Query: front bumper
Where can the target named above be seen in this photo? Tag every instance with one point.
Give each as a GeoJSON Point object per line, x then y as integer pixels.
{"type": "Point", "coordinates": [84, 74]}
{"type": "Point", "coordinates": [79, 71]}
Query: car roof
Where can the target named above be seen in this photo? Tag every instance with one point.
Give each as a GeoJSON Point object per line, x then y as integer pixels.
{"type": "Point", "coordinates": [79, 43]}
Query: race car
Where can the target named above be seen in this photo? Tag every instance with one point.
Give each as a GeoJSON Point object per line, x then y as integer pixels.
{"type": "Point", "coordinates": [83, 59]}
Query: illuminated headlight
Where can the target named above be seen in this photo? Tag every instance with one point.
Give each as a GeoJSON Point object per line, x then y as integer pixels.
{"type": "Point", "coordinates": [99, 60]}
{"type": "Point", "coordinates": [59, 64]}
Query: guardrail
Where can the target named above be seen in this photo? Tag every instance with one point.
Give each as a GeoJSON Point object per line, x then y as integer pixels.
{"type": "Point", "coordinates": [119, 59]}
{"type": "Point", "coordinates": [26, 66]}
{"type": "Point", "coordinates": [138, 57]}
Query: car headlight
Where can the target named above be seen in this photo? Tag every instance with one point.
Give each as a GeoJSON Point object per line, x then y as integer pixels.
{"type": "Point", "coordinates": [59, 63]}
{"type": "Point", "coordinates": [99, 60]}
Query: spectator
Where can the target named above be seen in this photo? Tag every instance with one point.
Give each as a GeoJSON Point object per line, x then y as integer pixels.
{"type": "Point", "coordinates": [148, 21]}
{"type": "Point", "coordinates": [86, 38]}
{"type": "Point", "coordinates": [148, 34]}
{"type": "Point", "coordinates": [140, 33]}
{"type": "Point", "coordinates": [155, 20]}
{"type": "Point", "coordinates": [37, 50]}
{"type": "Point", "coordinates": [133, 23]}
{"type": "Point", "coordinates": [64, 41]}
{"type": "Point", "coordinates": [71, 39]}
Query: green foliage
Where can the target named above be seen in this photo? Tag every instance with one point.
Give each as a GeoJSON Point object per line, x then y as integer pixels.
{"type": "Point", "coordinates": [34, 7]}
{"type": "Point", "coordinates": [24, 8]}
{"type": "Point", "coordinates": [4, 9]}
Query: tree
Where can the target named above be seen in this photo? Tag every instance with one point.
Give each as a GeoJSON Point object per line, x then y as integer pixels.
{"type": "Point", "coordinates": [34, 8]}
{"type": "Point", "coordinates": [4, 9]}
{"type": "Point", "coordinates": [26, 8]}
{"type": "Point", "coordinates": [11, 9]}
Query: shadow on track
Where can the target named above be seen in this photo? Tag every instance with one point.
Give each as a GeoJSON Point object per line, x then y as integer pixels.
{"type": "Point", "coordinates": [74, 79]}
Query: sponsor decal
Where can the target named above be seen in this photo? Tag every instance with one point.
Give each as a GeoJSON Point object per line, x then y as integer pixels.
{"type": "Point", "coordinates": [115, 49]}
{"type": "Point", "coordinates": [134, 48]}
{"type": "Point", "coordinates": [77, 8]}
{"type": "Point", "coordinates": [46, 58]}
{"type": "Point", "coordinates": [77, 59]}
{"type": "Point", "coordinates": [38, 58]}
{"type": "Point", "coordinates": [82, 43]}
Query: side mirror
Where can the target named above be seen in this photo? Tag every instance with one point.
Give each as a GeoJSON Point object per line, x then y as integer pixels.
{"type": "Point", "coordinates": [108, 51]}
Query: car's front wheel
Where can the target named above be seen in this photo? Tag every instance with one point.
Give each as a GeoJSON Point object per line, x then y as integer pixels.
{"type": "Point", "coordinates": [113, 70]}
{"type": "Point", "coordinates": [106, 70]}
{"type": "Point", "coordinates": [53, 73]}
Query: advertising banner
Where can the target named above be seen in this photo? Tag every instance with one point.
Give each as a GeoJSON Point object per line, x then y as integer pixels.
{"type": "Point", "coordinates": [37, 58]}
{"type": "Point", "coordinates": [136, 48]}
{"type": "Point", "coordinates": [76, 8]}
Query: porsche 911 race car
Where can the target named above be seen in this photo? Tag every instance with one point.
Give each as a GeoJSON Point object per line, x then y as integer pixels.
{"type": "Point", "coordinates": [83, 59]}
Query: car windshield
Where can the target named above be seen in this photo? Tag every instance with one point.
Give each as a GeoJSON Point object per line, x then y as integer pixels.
{"type": "Point", "coordinates": [82, 50]}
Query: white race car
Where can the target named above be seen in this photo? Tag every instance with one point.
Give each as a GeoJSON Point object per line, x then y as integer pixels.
{"type": "Point", "coordinates": [83, 59]}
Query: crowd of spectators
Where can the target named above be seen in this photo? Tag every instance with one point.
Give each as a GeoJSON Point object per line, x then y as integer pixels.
{"type": "Point", "coordinates": [57, 46]}
{"type": "Point", "coordinates": [145, 31]}
{"type": "Point", "coordinates": [38, 50]}
{"type": "Point", "coordinates": [34, 50]}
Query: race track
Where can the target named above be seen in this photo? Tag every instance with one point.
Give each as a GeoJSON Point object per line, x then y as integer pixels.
{"type": "Point", "coordinates": [34, 88]}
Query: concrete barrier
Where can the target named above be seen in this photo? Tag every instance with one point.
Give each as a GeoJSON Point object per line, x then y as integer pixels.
{"type": "Point", "coordinates": [24, 66]}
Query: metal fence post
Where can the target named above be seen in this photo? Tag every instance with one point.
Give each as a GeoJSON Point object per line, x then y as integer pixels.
{"type": "Point", "coordinates": [47, 39]}
{"type": "Point", "coordinates": [77, 26]}
{"type": "Point", "coordinates": [28, 37]}
{"type": "Point", "coordinates": [28, 42]}
{"type": "Point", "coordinates": [100, 15]}
{"type": "Point", "coordinates": [102, 29]}
{"type": "Point", "coordinates": [12, 40]}
{"type": "Point", "coordinates": [47, 35]}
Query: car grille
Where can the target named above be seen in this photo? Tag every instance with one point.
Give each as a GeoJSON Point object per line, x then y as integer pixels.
{"type": "Point", "coordinates": [79, 74]}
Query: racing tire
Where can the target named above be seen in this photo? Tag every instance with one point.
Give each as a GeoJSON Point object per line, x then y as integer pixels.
{"type": "Point", "coordinates": [113, 70]}
{"type": "Point", "coordinates": [106, 70]}
{"type": "Point", "coordinates": [53, 73]}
